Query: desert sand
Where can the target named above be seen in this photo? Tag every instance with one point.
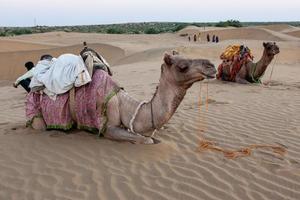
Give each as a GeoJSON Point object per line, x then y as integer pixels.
{"type": "Point", "coordinates": [78, 165]}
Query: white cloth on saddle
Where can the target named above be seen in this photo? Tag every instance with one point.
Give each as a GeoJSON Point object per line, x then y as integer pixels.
{"type": "Point", "coordinates": [60, 74]}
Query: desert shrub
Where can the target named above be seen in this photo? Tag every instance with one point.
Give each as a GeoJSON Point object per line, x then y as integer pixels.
{"type": "Point", "coordinates": [152, 31]}
{"type": "Point", "coordinates": [183, 34]}
{"type": "Point", "coordinates": [234, 23]}
{"type": "Point", "coordinates": [136, 32]}
{"type": "Point", "coordinates": [114, 31]}
{"type": "Point", "coordinates": [21, 31]}
{"type": "Point", "coordinates": [179, 27]}
{"type": "Point", "coordinates": [68, 30]}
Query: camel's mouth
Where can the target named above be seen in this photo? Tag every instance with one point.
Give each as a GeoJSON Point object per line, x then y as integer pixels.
{"type": "Point", "coordinates": [276, 51]}
{"type": "Point", "coordinates": [209, 76]}
{"type": "Point", "coordinates": [200, 78]}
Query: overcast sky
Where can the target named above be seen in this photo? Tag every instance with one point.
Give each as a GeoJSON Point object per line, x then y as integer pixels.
{"type": "Point", "coordinates": [80, 12]}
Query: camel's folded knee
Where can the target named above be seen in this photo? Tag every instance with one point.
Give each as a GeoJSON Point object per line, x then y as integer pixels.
{"type": "Point", "coordinates": [38, 124]}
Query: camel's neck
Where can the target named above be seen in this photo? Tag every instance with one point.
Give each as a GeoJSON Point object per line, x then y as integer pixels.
{"type": "Point", "coordinates": [262, 64]}
{"type": "Point", "coordinates": [164, 104]}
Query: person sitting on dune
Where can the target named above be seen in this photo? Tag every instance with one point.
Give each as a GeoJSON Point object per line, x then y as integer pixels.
{"type": "Point", "coordinates": [25, 79]}
{"type": "Point", "coordinates": [55, 76]}
{"type": "Point", "coordinates": [24, 82]}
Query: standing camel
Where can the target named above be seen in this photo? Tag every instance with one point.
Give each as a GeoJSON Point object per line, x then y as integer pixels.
{"type": "Point", "coordinates": [131, 120]}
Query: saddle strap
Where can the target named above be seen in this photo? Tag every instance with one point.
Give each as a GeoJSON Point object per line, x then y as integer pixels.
{"type": "Point", "coordinates": [72, 103]}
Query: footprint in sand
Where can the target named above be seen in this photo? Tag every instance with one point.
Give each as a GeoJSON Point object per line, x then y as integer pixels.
{"type": "Point", "coordinates": [221, 91]}
{"type": "Point", "coordinates": [212, 101]}
{"type": "Point", "coordinates": [3, 123]}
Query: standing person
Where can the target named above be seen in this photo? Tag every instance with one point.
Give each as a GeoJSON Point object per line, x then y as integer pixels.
{"type": "Point", "coordinates": [213, 38]}
{"type": "Point", "coordinates": [24, 82]}
{"type": "Point", "coordinates": [195, 38]}
{"type": "Point", "coordinates": [208, 38]}
{"type": "Point", "coordinates": [189, 38]}
{"type": "Point", "coordinates": [199, 36]}
{"type": "Point", "coordinates": [217, 39]}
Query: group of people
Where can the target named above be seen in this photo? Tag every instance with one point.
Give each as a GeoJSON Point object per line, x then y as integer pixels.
{"type": "Point", "coordinates": [197, 37]}
{"type": "Point", "coordinates": [215, 38]}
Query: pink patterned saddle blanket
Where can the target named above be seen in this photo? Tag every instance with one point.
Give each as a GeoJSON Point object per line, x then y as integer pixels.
{"type": "Point", "coordinates": [90, 105]}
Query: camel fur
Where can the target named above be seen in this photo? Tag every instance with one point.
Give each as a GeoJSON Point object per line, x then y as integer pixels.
{"type": "Point", "coordinates": [177, 75]}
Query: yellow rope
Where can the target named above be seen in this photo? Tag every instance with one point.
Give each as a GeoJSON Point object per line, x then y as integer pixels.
{"type": "Point", "coordinates": [230, 154]}
{"type": "Point", "coordinates": [272, 70]}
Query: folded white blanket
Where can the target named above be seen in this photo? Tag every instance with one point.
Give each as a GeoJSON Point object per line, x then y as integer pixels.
{"type": "Point", "coordinates": [60, 74]}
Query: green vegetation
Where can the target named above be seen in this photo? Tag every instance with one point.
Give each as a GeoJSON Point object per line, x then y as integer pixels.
{"type": "Point", "coordinates": [129, 28]}
{"type": "Point", "coordinates": [151, 31]}
{"type": "Point", "coordinates": [233, 23]}
{"type": "Point", "coordinates": [115, 31]}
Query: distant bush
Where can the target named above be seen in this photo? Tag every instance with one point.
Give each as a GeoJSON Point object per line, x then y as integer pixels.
{"type": "Point", "coordinates": [68, 30]}
{"type": "Point", "coordinates": [136, 32]}
{"type": "Point", "coordinates": [183, 34]}
{"type": "Point", "coordinates": [234, 23]}
{"type": "Point", "coordinates": [21, 31]}
{"type": "Point", "coordinates": [152, 31]}
{"type": "Point", "coordinates": [115, 31]}
{"type": "Point", "coordinates": [179, 27]}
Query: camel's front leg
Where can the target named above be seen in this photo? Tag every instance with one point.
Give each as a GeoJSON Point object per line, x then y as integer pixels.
{"type": "Point", "coordinates": [120, 134]}
{"type": "Point", "coordinates": [114, 131]}
{"type": "Point", "coordinates": [241, 81]}
{"type": "Point", "coordinates": [241, 76]}
{"type": "Point", "coordinates": [38, 124]}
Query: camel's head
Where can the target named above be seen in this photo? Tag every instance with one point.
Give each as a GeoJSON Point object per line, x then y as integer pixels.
{"type": "Point", "coordinates": [271, 48]}
{"type": "Point", "coordinates": [184, 72]}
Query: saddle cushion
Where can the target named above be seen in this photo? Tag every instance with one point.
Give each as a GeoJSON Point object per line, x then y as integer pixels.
{"type": "Point", "coordinates": [90, 102]}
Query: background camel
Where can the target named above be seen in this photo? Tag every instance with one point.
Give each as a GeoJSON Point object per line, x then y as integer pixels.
{"type": "Point", "coordinates": [124, 112]}
{"type": "Point", "coordinates": [251, 72]}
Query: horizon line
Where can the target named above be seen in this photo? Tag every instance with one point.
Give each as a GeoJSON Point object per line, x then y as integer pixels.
{"type": "Point", "coordinates": [187, 22]}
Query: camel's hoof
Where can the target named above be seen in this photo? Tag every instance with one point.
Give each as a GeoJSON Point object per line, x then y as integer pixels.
{"type": "Point", "coordinates": [156, 141]}
{"type": "Point", "coordinates": [148, 140]}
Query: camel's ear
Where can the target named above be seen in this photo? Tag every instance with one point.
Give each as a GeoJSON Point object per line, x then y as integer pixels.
{"type": "Point", "coordinates": [168, 59]}
{"type": "Point", "coordinates": [265, 44]}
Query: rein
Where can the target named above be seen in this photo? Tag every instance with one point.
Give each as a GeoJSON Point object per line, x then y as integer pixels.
{"type": "Point", "coordinates": [230, 154]}
{"type": "Point", "coordinates": [137, 111]}
{"type": "Point", "coordinates": [253, 69]}
{"type": "Point", "coordinates": [273, 66]}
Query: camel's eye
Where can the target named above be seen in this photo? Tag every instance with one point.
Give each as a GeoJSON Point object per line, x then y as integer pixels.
{"type": "Point", "coordinates": [183, 68]}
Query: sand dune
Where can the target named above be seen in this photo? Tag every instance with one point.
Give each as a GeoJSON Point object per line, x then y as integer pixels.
{"type": "Point", "coordinates": [278, 27]}
{"type": "Point", "coordinates": [12, 63]}
{"type": "Point", "coordinates": [148, 55]}
{"type": "Point", "coordinates": [267, 33]}
{"type": "Point", "coordinates": [294, 33]}
{"type": "Point", "coordinates": [77, 165]}
{"type": "Point", "coordinates": [242, 33]}
{"type": "Point", "coordinates": [11, 46]}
